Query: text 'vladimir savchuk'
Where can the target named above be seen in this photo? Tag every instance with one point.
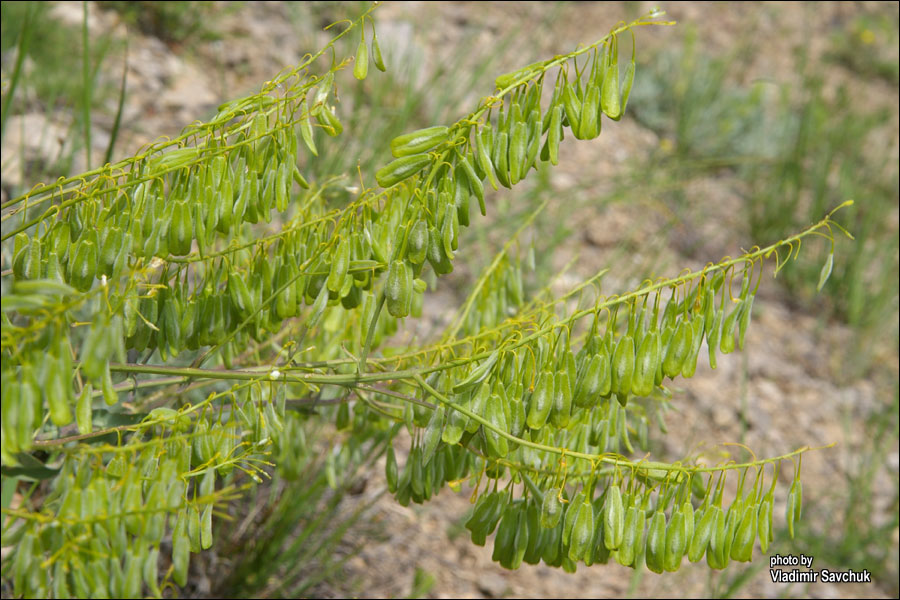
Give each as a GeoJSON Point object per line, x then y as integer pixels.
{"type": "Point", "coordinates": [810, 576]}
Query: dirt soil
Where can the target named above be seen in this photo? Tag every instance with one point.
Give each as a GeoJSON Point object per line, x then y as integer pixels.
{"type": "Point", "coordinates": [783, 392]}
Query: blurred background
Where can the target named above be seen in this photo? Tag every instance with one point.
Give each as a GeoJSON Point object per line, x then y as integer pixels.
{"type": "Point", "coordinates": [747, 122]}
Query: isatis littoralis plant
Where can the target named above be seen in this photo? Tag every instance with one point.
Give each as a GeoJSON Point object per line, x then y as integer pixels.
{"type": "Point", "coordinates": [172, 322]}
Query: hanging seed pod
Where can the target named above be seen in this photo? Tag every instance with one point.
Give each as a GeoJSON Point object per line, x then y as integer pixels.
{"type": "Point", "coordinates": [479, 402]}
{"type": "Point", "coordinates": [610, 99]}
{"type": "Point", "coordinates": [376, 54]}
{"type": "Point", "coordinates": [614, 519]}
{"type": "Point", "coordinates": [633, 536]}
{"type": "Point", "coordinates": [330, 123]}
{"type": "Point", "coordinates": [742, 547]}
{"type": "Point", "coordinates": [582, 534]}
{"type": "Point", "coordinates": [83, 410]}
{"type": "Point", "coordinates": [340, 263]}
{"type": "Point", "coordinates": [483, 147]}
{"type": "Point", "coordinates": [436, 255]}
{"type": "Point", "coordinates": [702, 534]}
{"type": "Point", "coordinates": [504, 543]}
{"type": "Point", "coordinates": [59, 391]}
{"type": "Point", "coordinates": [456, 426]}
{"type": "Point", "coordinates": [361, 67]}
{"type": "Point", "coordinates": [656, 542]}
{"type": "Point", "coordinates": [623, 366]}
{"type": "Point", "coordinates": [554, 135]}
{"type": "Point", "coordinates": [518, 144]}
{"type": "Point", "coordinates": [715, 553]}
{"type": "Point", "coordinates": [390, 470]}
{"type": "Point", "coordinates": [551, 508]}
{"type": "Point", "coordinates": [497, 445]}
{"type": "Point", "coordinates": [794, 501]}
{"type": "Point", "coordinates": [541, 401]}
{"type": "Point", "coordinates": [432, 436]}
{"type": "Point", "coordinates": [589, 126]}
{"type": "Point", "coordinates": [676, 542]}
{"type": "Point", "coordinates": [763, 524]}
{"type": "Point", "coordinates": [728, 329]}
{"type": "Point", "coordinates": [562, 400]}
{"type": "Point", "coordinates": [643, 378]}
{"type": "Point", "coordinates": [678, 350]}
{"type": "Point", "coordinates": [83, 266]}
{"type": "Point", "coordinates": [450, 233]}
{"type": "Point", "coordinates": [501, 159]}
{"type": "Point", "coordinates": [398, 289]}
{"type": "Point", "coordinates": [713, 336]}
{"type": "Point", "coordinates": [465, 168]}
{"type": "Point", "coordinates": [572, 106]}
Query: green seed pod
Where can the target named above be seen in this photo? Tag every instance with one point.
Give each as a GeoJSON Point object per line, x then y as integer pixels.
{"type": "Point", "coordinates": [181, 550]}
{"type": "Point", "coordinates": [361, 67]}
{"type": "Point", "coordinates": [432, 435]}
{"type": "Point", "coordinates": [455, 427]}
{"type": "Point", "coordinates": [687, 509]}
{"type": "Point", "coordinates": [483, 156]}
{"type": "Point", "coordinates": [689, 366]}
{"type": "Point", "coordinates": [589, 127]}
{"type": "Point", "coordinates": [418, 141]}
{"type": "Point", "coordinates": [794, 501]}
{"type": "Point", "coordinates": [400, 169]}
{"type": "Point", "coordinates": [676, 542]}
{"type": "Point", "coordinates": [83, 266]}
{"type": "Point", "coordinates": [59, 391]}
{"type": "Point", "coordinates": [656, 543]}
{"type": "Point", "coordinates": [497, 445]}
{"type": "Point", "coordinates": [551, 508]}
{"type": "Point", "coordinates": [632, 538]}
{"type": "Point", "coordinates": [518, 146]}
{"type": "Point", "coordinates": [180, 231]}
{"type": "Point", "coordinates": [763, 524]}
{"type": "Point", "coordinates": [569, 518]}
{"type": "Point", "coordinates": [536, 534]}
{"type": "Point", "coordinates": [541, 401]}
{"type": "Point", "coordinates": [610, 100]}
{"type": "Point", "coordinates": [330, 123]}
{"type": "Point", "coordinates": [206, 537]}
{"type": "Point", "coordinates": [614, 519]}
{"type": "Point", "coordinates": [582, 535]}
{"type": "Point", "coordinates": [572, 106]}
{"type": "Point", "coordinates": [678, 350]}
{"type": "Point", "coordinates": [728, 327]}
{"type": "Point", "coordinates": [501, 159]}
{"type": "Point", "coordinates": [450, 233]}
{"type": "Point", "coordinates": [715, 553]}
{"type": "Point", "coordinates": [644, 376]}
{"type": "Point", "coordinates": [83, 410]}
{"type": "Point", "coordinates": [390, 469]}
{"type": "Point", "coordinates": [504, 543]}
{"type": "Point", "coordinates": [562, 400]}
{"type": "Point", "coordinates": [398, 289]}
{"type": "Point", "coordinates": [623, 366]}
{"type": "Point", "coordinates": [376, 54]}
{"type": "Point", "coordinates": [479, 401]}
{"type": "Point", "coordinates": [713, 336]}
{"type": "Point", "coordinates": [465, 168]}
{"type": "Point", "coordinates": [436, 255]}
{"type": "Point", "coordinates": [744, 319]}
{"type": "Point", "coordinates": [555, 134]}
{"type": "Point", "coordinates": [340, 263]}
{"type": "Point", "coordinates": [742, 547]}
{"type": "Point", "coordinates": [702, 533]}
